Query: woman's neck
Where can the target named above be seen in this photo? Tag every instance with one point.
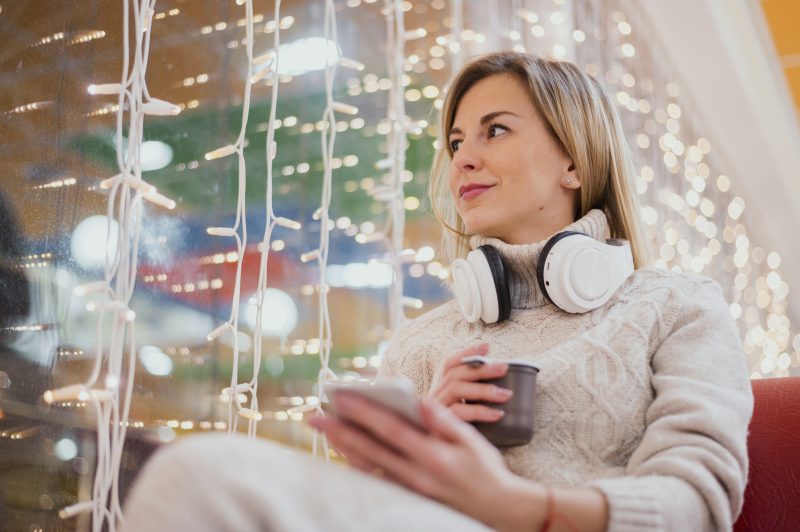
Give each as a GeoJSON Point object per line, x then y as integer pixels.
{"type": "Point", "coordinates": [541, 226]}
{"type": "Point", "coordinates": [521, 260]}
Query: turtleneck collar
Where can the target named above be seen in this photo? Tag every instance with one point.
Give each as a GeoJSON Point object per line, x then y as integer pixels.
{"type": "Point", "coordinates": [522, 259]}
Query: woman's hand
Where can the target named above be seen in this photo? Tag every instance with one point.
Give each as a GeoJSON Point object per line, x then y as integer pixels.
{"type": "Point", "coordinates": [451, 462]}
{"type": "Point", "coordinates": [458, 384]}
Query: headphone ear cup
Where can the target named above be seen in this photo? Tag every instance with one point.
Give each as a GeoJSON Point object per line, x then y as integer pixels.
{"type": "Point", "coordinates": [540, 267]}
{"type": "Point", "coordinates": [467, 290]}
{"type": "Point", "coordinates": [482, 270]}
{"type": "Point", "coordinates": [501, 287]}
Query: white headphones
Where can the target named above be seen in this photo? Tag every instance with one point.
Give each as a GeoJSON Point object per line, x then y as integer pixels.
{"type": "Point", "coordinates": [575, 272]}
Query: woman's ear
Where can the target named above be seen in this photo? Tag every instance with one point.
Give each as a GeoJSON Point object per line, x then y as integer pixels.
{"type": "Point", "coordinates": [570, 180]}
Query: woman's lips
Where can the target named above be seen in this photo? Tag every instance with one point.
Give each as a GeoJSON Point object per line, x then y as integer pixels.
{"type": "Point", "coordinates": [474, 192]}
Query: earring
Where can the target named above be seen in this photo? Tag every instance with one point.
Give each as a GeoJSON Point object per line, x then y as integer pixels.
{"type": "Point", "coordinates": [568, 181]}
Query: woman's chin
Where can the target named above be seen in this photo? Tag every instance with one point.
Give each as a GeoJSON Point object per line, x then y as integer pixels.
{"type": "Point", "coordinates": [482, 227]}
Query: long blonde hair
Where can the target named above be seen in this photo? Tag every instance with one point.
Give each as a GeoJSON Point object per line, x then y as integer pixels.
{"type": "Point", "coordinates": [581, 117]}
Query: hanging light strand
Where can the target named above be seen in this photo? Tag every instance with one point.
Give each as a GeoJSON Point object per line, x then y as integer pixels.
{"type": "Point", "coordinates": [698, 222]}
{"type": "Point", "coordinates": [396, 142]}
{"type": "Point", "coordinates": [239, 233]}
{"type": "Point", "coordinates": [111, 398]}
{"type": "Point", "coordinates": [328, 138]}
{"type": "Point", "coordinates": [271, 222]}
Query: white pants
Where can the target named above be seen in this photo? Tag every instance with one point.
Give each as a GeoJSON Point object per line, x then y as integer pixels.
{"type": "Point", "coordinates": [218, 483]}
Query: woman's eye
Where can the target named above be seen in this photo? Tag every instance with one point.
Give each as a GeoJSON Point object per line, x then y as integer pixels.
{"type": "Point", "coordinates": [495, 130]}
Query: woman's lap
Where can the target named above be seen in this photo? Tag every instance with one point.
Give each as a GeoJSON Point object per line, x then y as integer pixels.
{"type": "Point", "coordinates": [217, 483]}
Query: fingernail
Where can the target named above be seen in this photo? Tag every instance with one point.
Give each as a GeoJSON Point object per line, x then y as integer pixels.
{"type": "Point", "coordinates": [499, 413]}
{"type": "Point", "coordinates": [504, 392]}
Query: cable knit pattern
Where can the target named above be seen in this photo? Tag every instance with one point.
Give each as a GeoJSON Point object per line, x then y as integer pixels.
{"type": "Point", "coordinates": [646, 398]}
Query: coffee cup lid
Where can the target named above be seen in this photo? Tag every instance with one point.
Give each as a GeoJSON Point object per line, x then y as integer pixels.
{"type": "Point", "coordinates": [479, 359]}
{"type": "Point", "coordinates": [524, 363]}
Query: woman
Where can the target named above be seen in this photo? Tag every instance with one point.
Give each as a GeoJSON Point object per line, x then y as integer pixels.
{"type": "Point", "coordinates": [642, 404]}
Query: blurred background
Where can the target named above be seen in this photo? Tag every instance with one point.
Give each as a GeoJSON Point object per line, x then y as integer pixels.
{"type": "Point", "coordinates": [708, 91]}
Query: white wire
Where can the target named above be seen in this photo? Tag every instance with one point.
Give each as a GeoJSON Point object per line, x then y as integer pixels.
{"type": "Point", "coordinates": [124, 206]}
{"type": "Point", "coordinates": [269, 223]}
{"type": "Point", "coordinates": [232, 324]}
{"type": "Point", "coordinates": [396, 142]}
{"type": "Point", "coordinates": [328, 139]}
{"type": "Point", "coordinates": [494, 24]}
{"type": "Point", "coordinates": [517, 24]}
{"type": "Point", "coordinates": [457, 58]}
{"type": "Point", "coordinates": [393, 230]}
{"type": "Point", "coordinates": [241, 220]}
{"type": "Point", "coordinates": [240, 225]}
{"type": "Point", "coordinates": [394, 227]}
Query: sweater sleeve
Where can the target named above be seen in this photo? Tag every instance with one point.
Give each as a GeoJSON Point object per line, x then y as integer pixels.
{"type": "Point", "coordinates": [690, 468]}
{"type": "Point", "coordinates": [406, 357]}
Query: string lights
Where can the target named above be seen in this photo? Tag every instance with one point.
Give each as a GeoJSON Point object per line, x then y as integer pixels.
{"type": "Point", "coordinates": [235, 409]}
{"type": "Point", "coordinates": [698, 222]}
{"type": "Point", "coordinates": [328, 138]}
{"type": "Point", "coordinates": [399, 123]}
{"type": "Point", "coordinates": [111, 396]}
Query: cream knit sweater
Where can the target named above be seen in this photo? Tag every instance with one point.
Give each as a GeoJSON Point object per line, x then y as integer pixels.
{"type": "Point", "coordinates": [646, 398]}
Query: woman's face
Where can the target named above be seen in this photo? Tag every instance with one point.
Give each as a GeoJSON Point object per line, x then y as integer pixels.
{"type": "Point", "coordinates": [508, 173]}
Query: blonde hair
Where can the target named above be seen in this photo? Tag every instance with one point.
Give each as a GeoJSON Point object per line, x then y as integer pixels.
{"type": "Point", "coordinates": [581, 117]}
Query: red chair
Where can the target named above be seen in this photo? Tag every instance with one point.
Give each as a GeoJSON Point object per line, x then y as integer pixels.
{"type": "Point", "coordinates": [772, 496]}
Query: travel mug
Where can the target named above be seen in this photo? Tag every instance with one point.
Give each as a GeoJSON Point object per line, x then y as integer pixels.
{"type": "Point", "coordinates": [517, 425]}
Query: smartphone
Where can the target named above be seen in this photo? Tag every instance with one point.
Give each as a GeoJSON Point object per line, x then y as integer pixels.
{"type": "Point", "coordinates": [395, 393]}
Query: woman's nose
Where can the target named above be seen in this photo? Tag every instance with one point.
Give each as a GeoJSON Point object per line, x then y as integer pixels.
{"type": "Point", "coordinates": [466, 159]}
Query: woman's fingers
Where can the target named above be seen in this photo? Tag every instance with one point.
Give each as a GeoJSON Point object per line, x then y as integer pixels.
{"type": "Point", "coordinates": [455, 391]}
{"type": "Point", "coordinates": [447, 424]}
{"type": "Point", "coordinates": [360, 462]}
{"type": "Point", "coordinates": [381, 423]}
{"type": "Point", "coordinates": [371, 456]}
{"type": "Point", "coordinates": [454, 360]}
{"type": "Point", "coordinates": [355, 460]}
{"type": "Point", "coordinates": [360, 449]}
{"type": "Point", "coordinates": [464, 372]}
{"type": "Point", "coordinates": [467, 412]}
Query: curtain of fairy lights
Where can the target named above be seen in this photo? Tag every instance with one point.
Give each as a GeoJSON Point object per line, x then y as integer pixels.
{"type": "Point", "coordinates": [699, 223]}
{"type": "Point", "coordinates": [110, 386]}
{"type": "Point", "coordinates": [268, 66]}
{"type": "Point", "coordinates": [697, 220]}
